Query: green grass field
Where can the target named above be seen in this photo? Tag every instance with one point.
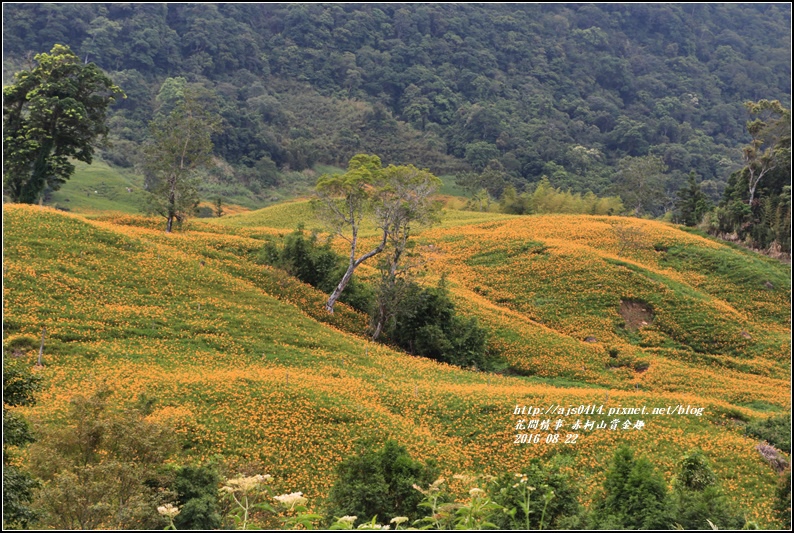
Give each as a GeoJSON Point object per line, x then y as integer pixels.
{"type": "Point", "coordinates": [100, 188]}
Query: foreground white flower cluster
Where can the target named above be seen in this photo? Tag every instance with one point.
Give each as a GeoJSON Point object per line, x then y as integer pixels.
{"type": "Point", "coordinates": [168, 510]}
{"type": "Point", "coordinates": [435, 487]}
{"type": "Point", "coordinates": [291, 500]}
{"type": "Point", "coordinates": [349, 520]}
{"type": "Point", "coordinates": [245, 484]}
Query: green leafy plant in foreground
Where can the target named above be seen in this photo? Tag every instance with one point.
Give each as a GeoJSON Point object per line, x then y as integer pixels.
{"type": "Point", "coordinates": [247, 495]}
{"type": "Point", "coordinates": [248, 498]}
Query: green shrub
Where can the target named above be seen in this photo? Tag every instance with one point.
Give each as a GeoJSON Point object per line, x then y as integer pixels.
{"type": "Point", "coordinates": [101, 467]}
{"type": "Point", "coordinates": [775, 430]}
{"type": "Point", "coordinates": [426, 323]}
{"type": "Point", "coordinates": [19, 386]}
{"type": "Point", "coordinates": [315, 264]}
{"type": "Point", "coordinates": [380, 483]}
{"type": "Point", "coordinates": [423, 321]}
{"type": "Point", "coordinates": [634, 496]}
{"type": "Point", "coordinates": [698, 499]}
{"type": "Point", "coordinates": [507, 491]}
{"type": "Point", "coordinates": [197, 489]}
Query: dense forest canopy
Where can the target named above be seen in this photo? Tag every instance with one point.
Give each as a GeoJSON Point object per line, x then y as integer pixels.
{"type": "Point", "coordinates": [561, 90]}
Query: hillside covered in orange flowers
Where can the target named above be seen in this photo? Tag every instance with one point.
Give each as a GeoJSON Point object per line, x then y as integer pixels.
{"type": "Point", "coordinates": [244, 365]}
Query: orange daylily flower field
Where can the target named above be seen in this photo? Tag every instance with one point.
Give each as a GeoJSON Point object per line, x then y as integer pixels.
{"type": "Point", "coordinates": [245, 364]}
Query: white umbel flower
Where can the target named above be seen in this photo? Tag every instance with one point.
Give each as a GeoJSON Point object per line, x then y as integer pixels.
{"type": "Point", "coordinates": [245, 484]}
{"type": "Point", "coordinates": [291, 500]}
{"type": "Point", "coordinates": [168, 510]}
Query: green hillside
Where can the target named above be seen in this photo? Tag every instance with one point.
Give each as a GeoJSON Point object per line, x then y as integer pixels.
{"type": "Point", "coordinates": [98, 187]}
{"type": "Point", "coordinates": [244, 365]}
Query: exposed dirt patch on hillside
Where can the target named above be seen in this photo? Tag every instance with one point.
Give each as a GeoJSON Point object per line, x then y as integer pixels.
{"type": "Point", "coordinates": [636, 313]}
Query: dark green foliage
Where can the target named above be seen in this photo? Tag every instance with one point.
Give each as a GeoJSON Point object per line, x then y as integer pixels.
{"type": "Point", "coordinates": [315, 264]}
{"type": "Point", "coordinates": [19, 384]}
{"type": "Point", "coordinates": [380, 483]}
{"type": "Point", "coordinates": [18, 388]}
{"type": "Point", "coordinates": [18, 489]}
{"type": "Point", "coordinates": [634, 496]}
{"type": "Point", "coordinates": [695, 509]}
{"type": "Point", "coordinates": [51, 114]}
{"type": "Point", "coordinates": [561, 508]}
{"type": "Point", "coordinates": [16, 431]}
{"type": "Point", "coordinates": [776, 430]}
{"type": "Point", "coordinates": [568, 87]}
{"type": "Point", "coordinates": [197, 490]}
{"type": "Point", "coordinates": [692, 203]}
{"type": "Point", "coordinates": [695, 473]}
{"type": "Point", "coordinates": [426, 323]}
{"type": "Point", "coordinates": [698, 499]}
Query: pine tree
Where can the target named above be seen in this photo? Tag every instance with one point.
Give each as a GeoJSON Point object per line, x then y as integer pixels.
{"type": "Point", "coordinates": [634, 496]}
{"type": "Point", "coordinates": [692, 203]}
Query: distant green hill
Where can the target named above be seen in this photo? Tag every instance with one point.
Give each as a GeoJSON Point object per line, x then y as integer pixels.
{"type": "Point", "coordinates": [526, 90]}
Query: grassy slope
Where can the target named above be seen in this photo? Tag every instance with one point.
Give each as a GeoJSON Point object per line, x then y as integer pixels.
{"type": "Point", "coordinates": [287, 216]}
{"type": "Point", "coordinates": [98, 188]}
{"type": "Point", "coordinates": [244, 363]}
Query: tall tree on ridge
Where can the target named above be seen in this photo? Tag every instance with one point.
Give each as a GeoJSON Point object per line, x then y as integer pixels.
{"type": "Point", "coordinates": [181, 144]}
{"type": "Point", "coordinates": [52, 113]}
{"type": "Point", "coordinates": [391, 198]}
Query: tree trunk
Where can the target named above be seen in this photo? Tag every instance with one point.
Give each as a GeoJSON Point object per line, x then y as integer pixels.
{"type": "Point", "coordinates": [751, 184]}
{"type": "Point", "coordinates": [34, 187]}
{"type": "Point", "coordinates": [329, 305]}
{"type": "Point", "coordinates": [378, 328]}
{"type": "Point", "coordinates": [388, 299]}
{"type": "Point", "coordinates": [41, 348]}
{"type": "Point", "coordinates": [171, 205]}
{"type": "Point", "coordinates": [382, 316]}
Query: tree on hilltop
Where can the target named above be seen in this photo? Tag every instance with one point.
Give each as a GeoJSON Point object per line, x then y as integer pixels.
{"type": "Point", "coordinates": [52, 113]}
{"type": "Point", "coordinates": [180, 144]}
{"type": "Point", "coordinates": [392, 198]}
{"type": "Point", "coordinates": [639, 182]}
{"type": "Point", "coordinates": [691, 203]}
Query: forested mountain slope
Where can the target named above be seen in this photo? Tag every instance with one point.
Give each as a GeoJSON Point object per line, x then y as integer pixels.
{"type": "Point", "coordinates": [563, 90]}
